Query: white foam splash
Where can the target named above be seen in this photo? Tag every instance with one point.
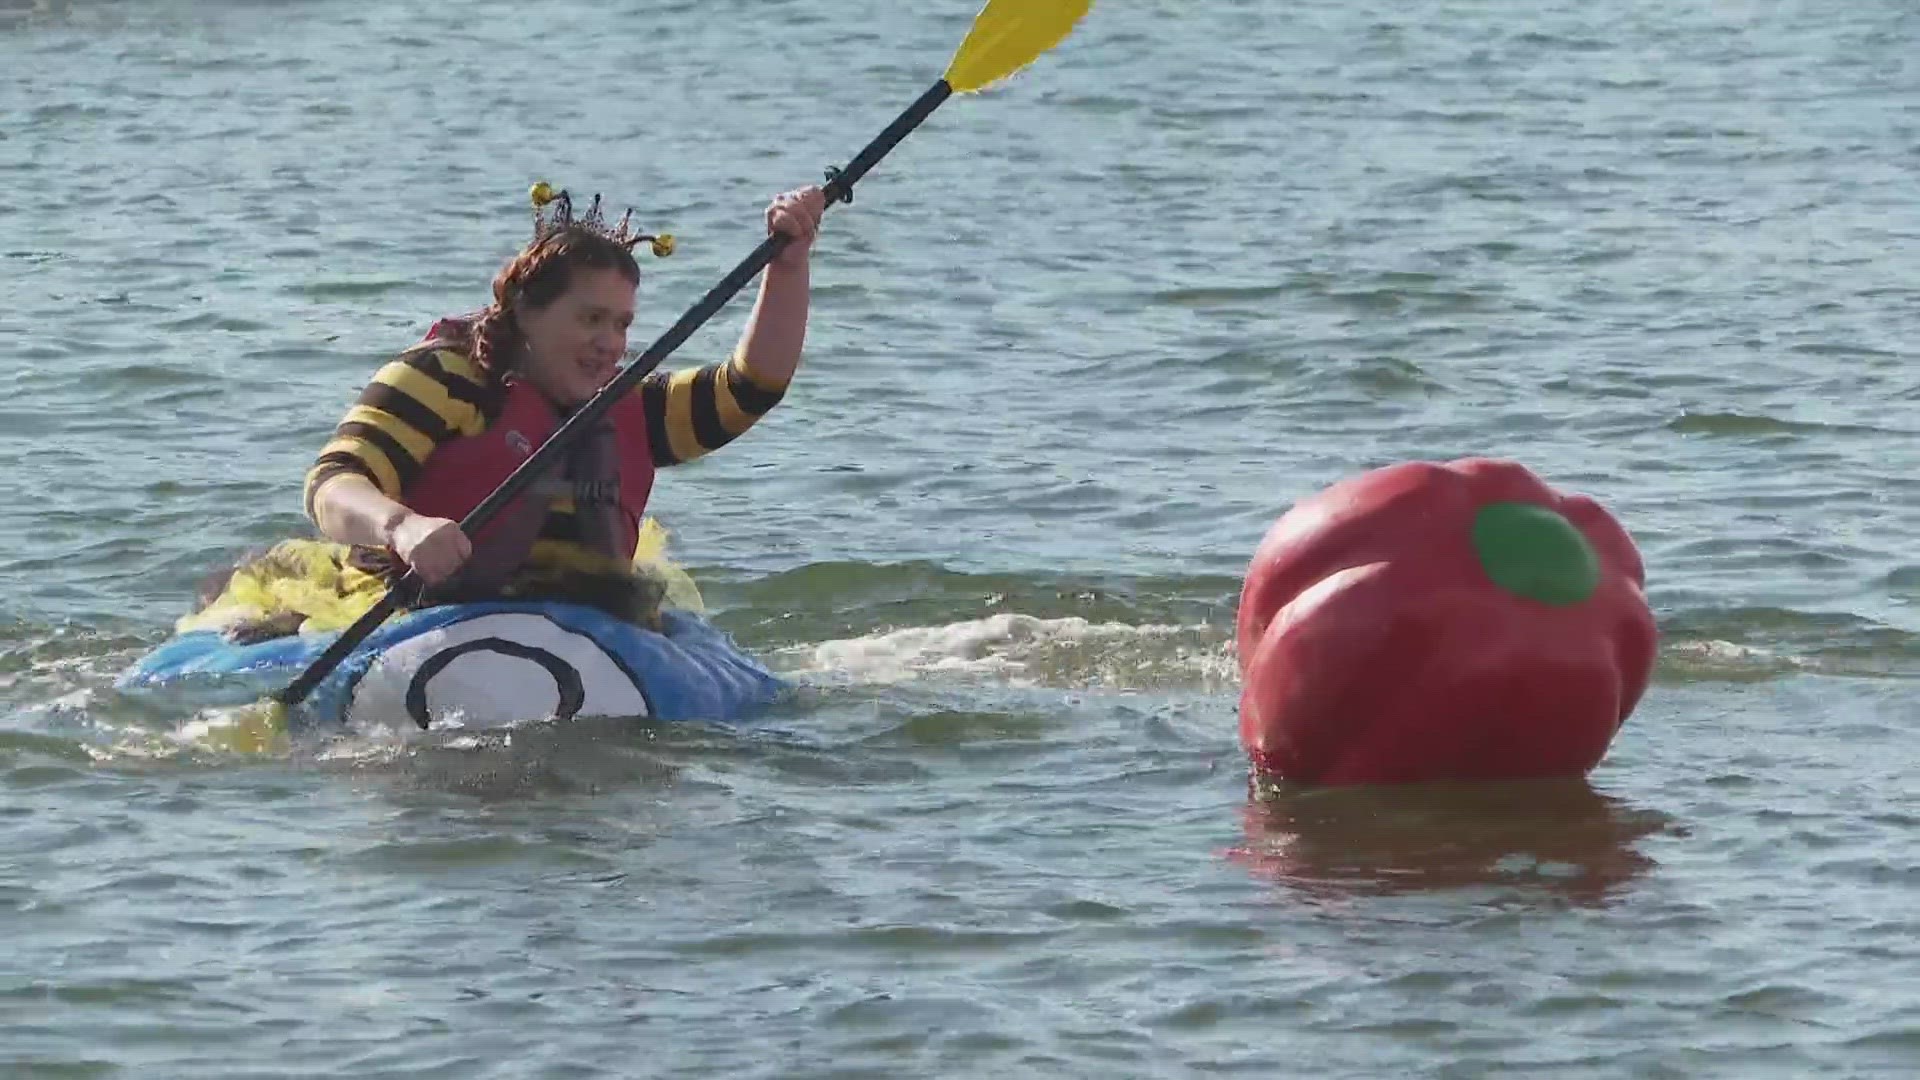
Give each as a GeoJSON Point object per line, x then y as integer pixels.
{"type": "Point", "coordinates": [1723, 650]}
{"type": "Point", "coordinates": [1022, 650]}
{"type": "Point", "coordinates": [1714, 658]}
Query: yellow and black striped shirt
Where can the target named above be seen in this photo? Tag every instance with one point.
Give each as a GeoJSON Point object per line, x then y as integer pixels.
{"type": "Point", "coordinates": [426, 397]}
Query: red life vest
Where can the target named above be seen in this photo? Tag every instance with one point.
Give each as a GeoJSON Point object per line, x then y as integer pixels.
{"type": "Point", "coordinates": [462, 472]}
{"type": "Point", "coordinates": [608, 472]}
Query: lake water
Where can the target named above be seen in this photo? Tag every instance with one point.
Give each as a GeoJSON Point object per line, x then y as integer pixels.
{"type": "Point", "coordinates": [1075, 346]}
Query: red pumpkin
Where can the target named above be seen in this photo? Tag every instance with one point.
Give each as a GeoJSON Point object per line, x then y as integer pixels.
{"type": "Point", "coordinates": [1441, 622]}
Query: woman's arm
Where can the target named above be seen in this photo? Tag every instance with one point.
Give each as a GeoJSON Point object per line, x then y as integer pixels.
{"type": "Point", "coordinates": [350, 510]}
{"type": "Point", "coordinates": [695, 411]}
{"type": "Point", "coordinates": [770, 346]}
{"type": "Point", "coordinates": [353, 488]}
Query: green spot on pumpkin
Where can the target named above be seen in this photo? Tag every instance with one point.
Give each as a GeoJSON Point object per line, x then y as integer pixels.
{"type": "Point", "coordinates": [1533, 552]}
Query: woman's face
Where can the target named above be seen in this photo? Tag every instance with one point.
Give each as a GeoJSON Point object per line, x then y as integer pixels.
{"type": "Point", "coordinates": [574, 344]}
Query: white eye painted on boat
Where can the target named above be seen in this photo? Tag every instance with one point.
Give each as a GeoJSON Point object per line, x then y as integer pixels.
{"type": "Point", "coordinates": [493, 671]}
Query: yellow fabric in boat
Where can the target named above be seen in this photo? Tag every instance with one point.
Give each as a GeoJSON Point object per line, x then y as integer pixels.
{"type": "Point", "coordinates": [311, 581]}
{"type": "Point", "coordinates": [650, 557]}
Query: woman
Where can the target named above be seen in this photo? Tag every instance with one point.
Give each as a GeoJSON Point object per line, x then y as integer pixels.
{"type": "Point", "coordinates": [440, 426]}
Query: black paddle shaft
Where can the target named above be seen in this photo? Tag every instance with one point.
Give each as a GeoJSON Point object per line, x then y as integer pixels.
{"type": "Point", "coordinates": [839, 188]}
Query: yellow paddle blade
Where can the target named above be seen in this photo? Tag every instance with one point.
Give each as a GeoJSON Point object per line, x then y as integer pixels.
{"type": "Point", "coordinates": [1008, 35]}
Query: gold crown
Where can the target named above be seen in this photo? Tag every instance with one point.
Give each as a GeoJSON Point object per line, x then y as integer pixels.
{"type": "Point", "coordinates": [542, 196]}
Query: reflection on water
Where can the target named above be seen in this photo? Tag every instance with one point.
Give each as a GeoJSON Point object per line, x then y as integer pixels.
{"type": "Point", "coordinates": [1560, 836]}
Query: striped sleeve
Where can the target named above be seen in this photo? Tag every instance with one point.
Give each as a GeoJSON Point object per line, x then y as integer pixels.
{"type": "Point", "coordinates": [411, 405]}
{"type": "Point", "coordinates": [695, 411]}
